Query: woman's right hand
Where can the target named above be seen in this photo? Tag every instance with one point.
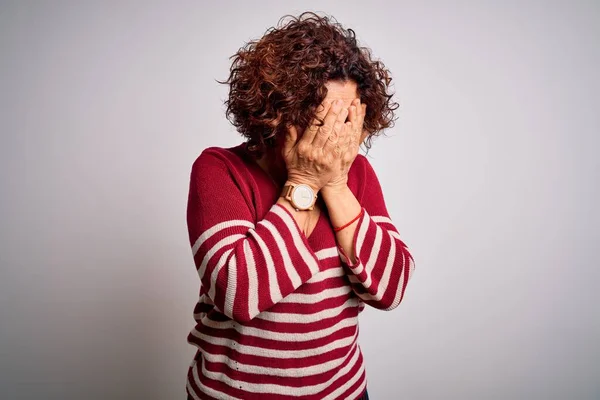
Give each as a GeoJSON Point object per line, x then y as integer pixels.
{"type": "Point", "coordinates": [313, 158]}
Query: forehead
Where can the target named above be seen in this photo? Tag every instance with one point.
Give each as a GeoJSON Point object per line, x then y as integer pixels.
{"type": "Point", "coordinates": [345, 90]}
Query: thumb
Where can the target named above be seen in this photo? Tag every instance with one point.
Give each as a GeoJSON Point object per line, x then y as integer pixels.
{"type": "Point", "coordinates": [290, 138]}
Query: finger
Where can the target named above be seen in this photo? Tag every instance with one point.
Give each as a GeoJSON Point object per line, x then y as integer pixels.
{"type": "Point", "coordinates": [328, 126]}
{"type": "Point", "coordinates": [309, 134]}
{"type": "Point", "coordinates": [363, 136]}
{"type": "Point", "coordinates": [359, 123]}
{"type": "Point", "coordinates": [290, 139]}
{"type": "Point", "coordinates": [362, 113]}
{"type": "Point", "coordinates": [356, 114]}
{"type": "Point", "coordinates": [322, 110]}
{"type": "Point", "coordinates": [339, 133]}
{"type": "Point", "coordinates": [344, 131]}
{"type": "Point", "coordinates": [344, 134]}
{"type": "Point", "coordinates": [353, 113]}
{"type": "Point", "coordinates": [350, 136]}
{"type": "Point", "coordinates": [328, 132]}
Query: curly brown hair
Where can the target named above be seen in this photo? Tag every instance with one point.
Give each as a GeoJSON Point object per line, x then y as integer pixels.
{"type": "Point", "coordinates": [279, 80]}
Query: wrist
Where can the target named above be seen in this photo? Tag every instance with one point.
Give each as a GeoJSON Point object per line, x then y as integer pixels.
{"type": "Point", "coordinates": [299, 181]}
{"type": "Point", "coordinates": [334, 190]}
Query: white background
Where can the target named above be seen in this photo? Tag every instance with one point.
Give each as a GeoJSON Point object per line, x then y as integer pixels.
{"type": "Point", "coordinates": [491, 175]}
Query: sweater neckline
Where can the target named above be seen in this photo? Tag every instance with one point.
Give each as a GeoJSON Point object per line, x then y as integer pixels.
{"type": "Point", "coordinates": [316, 232]}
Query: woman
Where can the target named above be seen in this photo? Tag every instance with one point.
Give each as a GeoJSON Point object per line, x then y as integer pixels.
{"type": "Point", "coordinates": [289, 230]}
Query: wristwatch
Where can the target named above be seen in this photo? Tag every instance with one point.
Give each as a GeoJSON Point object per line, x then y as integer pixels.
{"type": "Point", "coordinates": [301, 196]}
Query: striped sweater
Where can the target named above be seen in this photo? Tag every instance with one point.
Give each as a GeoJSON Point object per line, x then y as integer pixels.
{"type": "Point", "coordinates": [277, 315]}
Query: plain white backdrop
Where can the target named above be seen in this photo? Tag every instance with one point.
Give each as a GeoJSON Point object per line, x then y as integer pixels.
{"type": "Point", "coordinates": [491, 176]}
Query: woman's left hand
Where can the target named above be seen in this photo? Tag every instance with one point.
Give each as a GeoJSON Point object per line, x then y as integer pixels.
{"type": "Point", "coordinates": [348, 144]}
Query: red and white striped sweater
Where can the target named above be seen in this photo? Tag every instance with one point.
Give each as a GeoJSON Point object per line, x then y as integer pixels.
{"type": "Point", "coordinates": [278, 311]}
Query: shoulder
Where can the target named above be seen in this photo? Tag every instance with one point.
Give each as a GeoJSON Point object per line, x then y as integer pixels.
{"type": "Point", "coordinates": [215, 156]}
{"type": "Point", "coordinates": [361, 176]}
{"type": "Point", "coordinates": [221, 159]}
{"type": "Point", "coordinates": [361, 168]}
{"type": "Point", "coordinates": [360, 161]}
{"type": "Point", "coordinates": [218, 171]}
{"type": "Point", "coordinates": [356, 175]}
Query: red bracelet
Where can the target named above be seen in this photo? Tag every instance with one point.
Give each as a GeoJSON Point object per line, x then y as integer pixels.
{"type": "Point", "coordinates": [349, 223]}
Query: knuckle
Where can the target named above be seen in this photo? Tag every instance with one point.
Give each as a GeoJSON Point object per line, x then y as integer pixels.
{"type": "Point", "coordinates": [325, 130]}
{"type": "Point", "coordinates": [305, 149]}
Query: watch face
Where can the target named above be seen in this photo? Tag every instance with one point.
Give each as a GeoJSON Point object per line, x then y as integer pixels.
{"type": "Point", "coordinates": [303, 196]}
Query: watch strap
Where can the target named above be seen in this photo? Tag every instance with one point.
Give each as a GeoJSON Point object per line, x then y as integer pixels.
{"type": "Point", "coordinates": [287, 191]}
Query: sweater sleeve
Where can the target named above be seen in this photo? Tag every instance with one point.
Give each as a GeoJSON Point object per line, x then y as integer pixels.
{"type": "Point", "coordinates": [245, 267]}
{"type": "Point", "coordinates": [383, 262]}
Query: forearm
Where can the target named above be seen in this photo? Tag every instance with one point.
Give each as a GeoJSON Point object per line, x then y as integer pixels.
{"type": "Point", "coordinates": [234, 255]}
{"type": "Point", "coordinates": [342, 207]}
